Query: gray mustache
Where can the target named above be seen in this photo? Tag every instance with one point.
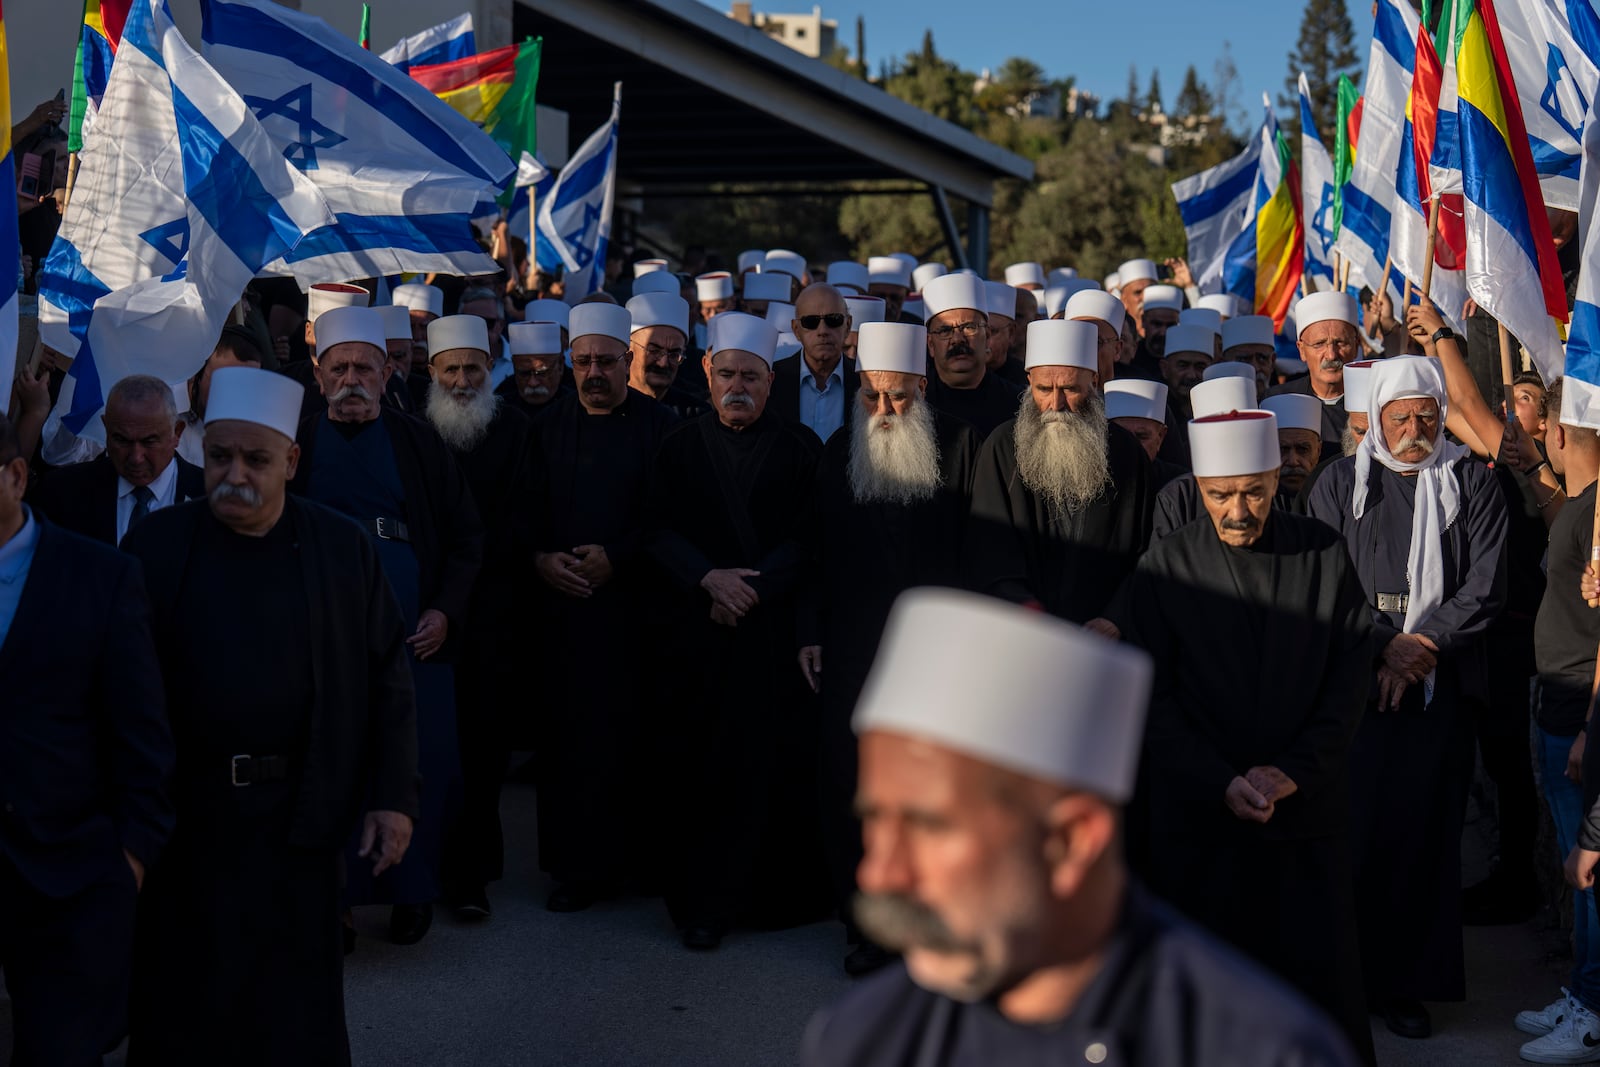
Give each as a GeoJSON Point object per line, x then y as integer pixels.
{"type": "Point", "coordinates": [244, 494]}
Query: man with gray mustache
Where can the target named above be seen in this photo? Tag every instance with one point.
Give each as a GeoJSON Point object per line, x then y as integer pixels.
{"type": "Point", "coordinates": [1061, 505]}
{"type": "Point", "coordinates": [1330, 337]}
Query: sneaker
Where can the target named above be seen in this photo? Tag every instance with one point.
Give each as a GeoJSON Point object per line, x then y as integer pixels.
{"type": "Point", "coordinates": [1575, 1040]}
{"type": "Point", "coordinates": [1541, 1022]}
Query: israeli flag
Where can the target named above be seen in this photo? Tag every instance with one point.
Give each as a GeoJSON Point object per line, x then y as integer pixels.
{"type": "Point", "coordinates": [437, 44]}
{"type": "Point", "coordinates": [576, 217]}
{"type": "Point", "coordinates": [402, 171]}
{"type": "Point", "coordinates": [1316, 194]}
{"type": "Point", "coordinates": [1580, 396]}
{"type": "Point", "coordinates": [1215, 204]}
{"type": "Point", "coordinates": [181, 198]}
{"type": "Point", "coordinates": [1554, 50]}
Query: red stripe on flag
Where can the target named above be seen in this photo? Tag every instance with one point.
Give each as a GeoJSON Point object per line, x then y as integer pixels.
{"type": "Point", "coordinates": [114, 13]}
{"type": "Point", "coordinates": [1355, 122]}
{"type": "Point", "coordinates": [497, 65]}
{"type": "Point", "coordinates": [1426, 85]}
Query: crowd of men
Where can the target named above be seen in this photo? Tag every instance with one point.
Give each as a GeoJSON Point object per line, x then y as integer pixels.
{"type": "Point", "coordinates": [1271, 618]}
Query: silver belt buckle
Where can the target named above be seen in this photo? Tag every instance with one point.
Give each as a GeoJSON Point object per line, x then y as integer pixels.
{"type": "Point", "coordinates": [385, 529]}
{"type": "Point", "coordinates": [1393, 602]}
{"type": "Point", "coordinates": [233, 770]}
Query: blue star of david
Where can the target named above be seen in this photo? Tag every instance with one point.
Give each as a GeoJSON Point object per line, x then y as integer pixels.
{"type": "Point", "coordinates": [1550, 100]}
{"type": "Point", "coordinates": [577, 241]}
{"type": "Point", "coordinates": [171, 239]}
{"type": "Point", "coordinates": [1320, 221]}
{"type": "Point", "coordinates": [295, 105]}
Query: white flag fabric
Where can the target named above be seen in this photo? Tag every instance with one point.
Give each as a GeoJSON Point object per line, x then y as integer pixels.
{"type": "Point", "coordinates": [1554, 50]}
{"type": "Point", "coordinates": [576, 217]}
{"type": "Point", "coordinates": [181, 198]}
{"type": "Point", "coordinates": [436, 44]}
{"type": "Point", "coordinates": [403, 172]}
{"type": "Point", "coordinates": [1316, 195]}
{"type": "Point", "coordinates": [1369, 194]}
{"type": "Point", "coordinates": [1580, 396]}
{"type": "Point", "coordinates": [1215, 204]}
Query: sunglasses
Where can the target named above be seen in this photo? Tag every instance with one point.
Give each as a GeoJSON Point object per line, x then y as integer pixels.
{"type": "Point", "coordinates": [811, 322]}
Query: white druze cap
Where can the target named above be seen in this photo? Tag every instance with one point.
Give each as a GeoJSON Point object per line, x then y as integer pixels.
{"type": "Point", "coordinates": [848, 272]}
{"type": "Point", "coordinates": [1228, 369]}
{"type": "Point", "coordinates": [1020, 274]}
{"type": "Point", "coordinates": [906, 258]}
{"type": "Point", "coordinates": [926, 273]}
{"type": "Point", "coordinates": [780, 316]}
{"type": "Point", "coordinates": [1358, 384]}
{"type": "Point", "coordinates": [1295, 411]}
{"type": "Point", "coordinates": [1060, 275]}
{"type": "Point", "coordinates": [1136, 398]}
{"type": "Point", "coordinates": [607, 320]}
{"type": "Point", "coordinates": [324, 297]}
{"type": "Point", "coordinates": [864, 309]}
{"type": "Point", "coordinates": [1224, 304]}
{"type": "Point", "coordinates": [736, 331]}
{"type": "Point", "coordinates": [898, 347]}
{"type": "Point", "coordinates": [1210, 318]}
{"type": "Point", "coordinates": [415, 296]}
{"type": "Point", "coordinates": [659, 309]}
{"type": "Point", "coordinates": [1135, 270]}
{"type": "Point", "coordinates": [457, 331]}
{"type": "Point", "coordinates": [1059, 292]}
{"type": "Point", "coordinates": [534, 338]}
{"type": "Point", "coordinates": [889, 270]}
{"type": "Point", "coordinates": [1234, 444]}
{"type": "Point", "coordinates": [1324, 307]}
{"type": "Point", "coordinates": [1200, 339]}
{"type": "Point", "coordinates": [250, 394]}
{"type": "Point", "coordinates": [1247, 330]}
{"type": "Point", "coordinates": [783, 261]}
{"type": "Point", "coordinates": [767, 286]}
{"type": "Point", "coordinates": [657, 281]}
{"type": "Point", "coordinates": [950, 291]}
{"type": "Point", "coordinates": [718, 285]}
{"type": "Point", "coordinates": [1014, 688]}
{"type": "Point", "coordinates": [1002, 300]}
{"type": "Point", "coordinates": [751, 257]}
{"type": "Point", "coordinates": [1096, 304]}
{"type": "Point", "coordinates": [1112, 283]}
{"type": "Point", "coordinates": [556, 311]}
{"type": "Point", "coordinates": [1162, 297]}
{"type": "Point", "coordinates": [351, 323]}
{"type": "Point", "coordinates": [396, 322]}
{"type": "Point", "coordinates": [642, 267]}
{"type": "Point", "coordinates": [1063, 343]}
{"type": "Point", "coordinates": [1222, 395]}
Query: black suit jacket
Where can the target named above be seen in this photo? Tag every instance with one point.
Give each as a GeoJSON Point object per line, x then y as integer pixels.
{"type": "Point", "coordinates": [85, 751]}
{"type": "Point", "coordinates": [82, 497]}
{"type": "Point", "coordinates": [785, 398]}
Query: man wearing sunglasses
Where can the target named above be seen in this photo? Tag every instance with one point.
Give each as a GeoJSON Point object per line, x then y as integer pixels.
{"type": "Point", "coordinates": [1330, 337]}
{"type": "Point", "coordinates": [816, 385]}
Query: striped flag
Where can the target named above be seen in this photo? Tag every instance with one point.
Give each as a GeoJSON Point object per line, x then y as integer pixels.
{"type": "Point", "coordinates": [437, 44]}
{"type": "Point", "coordinates": [1511, 268]}
{"type": "Point", "coordinates": [1265, 262]}
{"type": "Point", "coordinates": [1318, 194]}
{"type": "Point", "coordinates": [1345, 136]}
{"type": "Point", "coordinates": [1580, 397]}
{"type": "Point", "coordinates": [1554, 50]}
{"type": "Point", "coordinates": [91, 69]}
{"type": "Point", "coordinates": [1214, 205]}
{"type": "Point", "coordinates": [576, 216]}
{"type": "Point", "coordinates": [10, 249]}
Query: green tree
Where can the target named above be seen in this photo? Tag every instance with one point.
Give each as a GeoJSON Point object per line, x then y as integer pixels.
{"type": "Point", "coordinates": [1194, 99]}
{"type": "Point", "coordinates": [1133, 87]}
{"type": "Point", "coordinates": [932, 83]}
{"type": "Point", "coordinates": [1153, 97]}
{"type": "Point", "coordinates": [1325, 50]}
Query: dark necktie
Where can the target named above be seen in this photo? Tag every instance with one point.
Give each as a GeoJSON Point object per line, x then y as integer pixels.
{"type": "Point", "coordinates": [142, 499]}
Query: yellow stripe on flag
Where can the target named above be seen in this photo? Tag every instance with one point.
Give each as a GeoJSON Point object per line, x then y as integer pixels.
{"type": "Point", "coordinates": [476, 102]}
{"type": "Point", "coordinates": [5, 92]}
{"type": "Point", "coordinates": [1275, 248]}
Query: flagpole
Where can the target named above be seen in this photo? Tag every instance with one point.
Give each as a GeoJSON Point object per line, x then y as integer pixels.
{"type": "Point", "coordinates": [533, 240]}
{"type": "Point", "coordinates": [72, 179]}
{"type": "Point", "coordinates": [1433, 238]}
{"type": "Point", "coordinates": [1505, 372]}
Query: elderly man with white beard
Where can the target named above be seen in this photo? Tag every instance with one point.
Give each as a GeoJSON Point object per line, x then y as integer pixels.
{"type": "Point", "coordinates": [1426, 527]}
{"type": "Point", "coordinates": [893, 492]}
{"type": "Point", "coordinates": [492, 441]}
{"type": "Point", "coordinates": [1061, 498]}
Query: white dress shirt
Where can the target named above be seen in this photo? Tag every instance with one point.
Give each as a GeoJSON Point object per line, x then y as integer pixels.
{"type": "Point", "coordinates": [165, 488]}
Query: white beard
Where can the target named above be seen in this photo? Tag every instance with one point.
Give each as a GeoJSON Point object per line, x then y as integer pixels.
{"type": "Point", "coordinates": [462, 425]}
{"type": "Point", "coordinates": [1062, 456]}
{"type": "Point", "coordinates": [897, 463]}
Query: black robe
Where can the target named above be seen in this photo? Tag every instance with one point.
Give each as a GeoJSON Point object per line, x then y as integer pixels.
{"type": "Point", "coordinates": [1019, 548]}
{"type": "Point", "coordinates": [239, 923]}
{"type": "Point", "coordinates": [989, 405]}
{"type": "Point", "coordinates": [862, 557]}
{"type": "Point", "coordinates": [721, 499]}
{"type": "Point", "coordinates": [511, 396]}
{"type": "Point", "coordinates": [1178, 503]}
{"type": "Point", "coordinates": [1166, 994]}
{"type": "Point", "coordinates": [592, 475]}
{"type": "Point", "coordinates": [1262, 656]}
{"type": "Point", "coordinates": [1411, 768]}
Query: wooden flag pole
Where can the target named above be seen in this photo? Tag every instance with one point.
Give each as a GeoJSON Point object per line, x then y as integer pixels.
{"type": "Point", "coordinates": [72, 179]}
{"type": "Point", "coordinates": [1505, 373]}
{"type": "Point", "coordinates": [1433, 238]}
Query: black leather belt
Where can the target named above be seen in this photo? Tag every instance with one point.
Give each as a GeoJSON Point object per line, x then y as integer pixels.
{"type": "Point", "coordinates": [1395, 603]}
{"type": "Point", "coordinates": [388, 529]}
{"type": "Point", "coordinates": [256, 770]}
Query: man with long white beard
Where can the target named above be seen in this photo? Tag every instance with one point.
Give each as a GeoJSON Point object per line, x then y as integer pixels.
{"type": "Point", "coordinates": [892, 497]}
{"type": "Point", "coordinates": [492, 442]}
{"type": "Point", "coordinates": [1061, 499]}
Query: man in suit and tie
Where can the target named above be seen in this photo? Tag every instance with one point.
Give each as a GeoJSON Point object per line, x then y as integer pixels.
{"type": "Point", "coordinates": [85, 757]}
{"type": "Point", "coordinates": [815, 385]}
{"type": "Point", "coordinates": [139, 472]}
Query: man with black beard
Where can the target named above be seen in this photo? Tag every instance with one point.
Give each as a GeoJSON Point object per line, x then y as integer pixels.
{"type": "Point", "coordinates": [537, 364]}
{"type": "Point", "coordinates": [1061, 498]}
{"type": "Point", "coordinates": [593, 454]}
{"type": "Point", "coordinates": [493, 443]}
{"type": "Point", "coordinates": [957, 308]}
{"type": "Point", "coordinates": [892, 497]}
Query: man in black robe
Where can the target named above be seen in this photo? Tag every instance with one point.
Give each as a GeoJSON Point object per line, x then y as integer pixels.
{"type": "Point", "coordinates": [998, 747]}
{"type": "Point", "coordinates": [398, 481]}
{"type": "Point", "coordinates": [1425, 526]}
{"type": "Point", "coordinates": [1140, 407]}
{"type": "Point", "coordinates": [893, 493]}
{"type": "Point", "coordinates": [239, 957]}
{"type": "Point", "coordinates": [401, 350]}
{"type": "Point", "coordinates": [1330, 336]}
{"type": "Point", "coordinates": [659, 347]}
{"type": "Point", "coordinates": [1246, 763]}
{"type": "Point", "coordinates": [494, 445]}
{"type": "Point", "coordinates": [593, 457]}
{"type": "Point", "coordinates": [1106, 313]}
{"type": "Point", "coordinates": [537, 366]}
{"type": "Point", "coordinates": [1061, 498]}
{"type": "Point", "coordinates": [958, 341]}
{"type": "Point", "coordinates": [730, 501]}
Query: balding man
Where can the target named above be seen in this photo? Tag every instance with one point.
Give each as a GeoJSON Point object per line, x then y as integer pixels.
{"type": "Point", "coordinates": [1246, 765]}
{"type": "Point", "coordinates": [1330, 337]}
{"type": "Point", "coordinates": [957, 308]}
{"type": "Point", "coordinates": [139, 472]}
{"type": "Point", "coordinates": [815, 386]}
{"type": "Point", "coordinates": [997, 750]}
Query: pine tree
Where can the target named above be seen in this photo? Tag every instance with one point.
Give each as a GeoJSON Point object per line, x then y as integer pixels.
{"type": "Point", "coordinates": [1194, 99]}
{"type": "Point", "coordinates": [1133, 87]}
{"type": "Point", "coordinates": [1325, 50]}
{"type": "Point", "coordinates": [1153, 97]}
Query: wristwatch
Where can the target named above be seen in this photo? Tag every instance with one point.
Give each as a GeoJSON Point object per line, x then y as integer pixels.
{"type": "Point", "coordinates": [1443, 333]}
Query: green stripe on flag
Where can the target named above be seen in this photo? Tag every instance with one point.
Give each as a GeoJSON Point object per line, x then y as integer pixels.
{"type": "Point", "coordinates": [1344, 150]}
{"type": "Point", "coordinates": [514, 124]}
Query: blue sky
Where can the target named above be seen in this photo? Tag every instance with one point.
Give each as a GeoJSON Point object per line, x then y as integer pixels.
{"type": "Point", "coordinates": [1095, 40]}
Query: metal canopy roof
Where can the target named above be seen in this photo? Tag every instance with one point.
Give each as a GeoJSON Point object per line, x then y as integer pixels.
{"type": "Point", "coordinates": [708, 100]}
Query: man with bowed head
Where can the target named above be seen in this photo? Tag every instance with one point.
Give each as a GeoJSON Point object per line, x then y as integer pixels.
{"type": "Point", "coordinates": [958, 343]}
{"type": "Point", "coordinates": [998, 747]}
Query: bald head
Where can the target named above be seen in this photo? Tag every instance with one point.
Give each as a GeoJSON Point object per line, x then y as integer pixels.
{"type": "Point", "coordinates": [821, 322]}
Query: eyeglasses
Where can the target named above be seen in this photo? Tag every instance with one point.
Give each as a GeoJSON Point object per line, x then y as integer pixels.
{"type": "Point", "coordinates": [1336, 343]}
{"type": "Point", "coordinates": [603, 362]}
{"type": "Point", "coordinates": [969, 329]}
{"type": "Point", "coordinates": [655, 351]}
{"type": "Point", "coordinates": [811, 322]}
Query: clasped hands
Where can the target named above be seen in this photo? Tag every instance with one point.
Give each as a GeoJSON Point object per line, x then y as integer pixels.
{"type": "Point", "coordinates": [1253, 796]}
